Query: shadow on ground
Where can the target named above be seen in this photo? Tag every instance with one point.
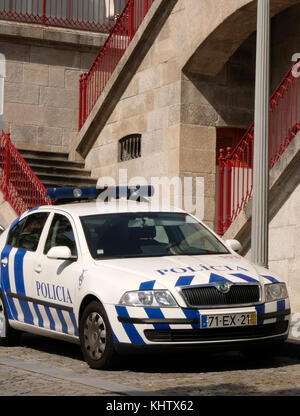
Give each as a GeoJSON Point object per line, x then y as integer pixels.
{"type": "Point", "coordinates": [183, 361]}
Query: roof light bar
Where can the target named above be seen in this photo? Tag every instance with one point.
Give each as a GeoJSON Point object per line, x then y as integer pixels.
{"type": "Point", "coordinates": [64, 195]}
{"type": "Point", "coordinates": [71, 193]}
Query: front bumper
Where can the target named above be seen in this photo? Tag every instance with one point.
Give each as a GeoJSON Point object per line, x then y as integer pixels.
{"type": "Point", "coordinates": [182, 326]}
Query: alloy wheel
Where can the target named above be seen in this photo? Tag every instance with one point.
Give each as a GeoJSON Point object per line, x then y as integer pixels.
{"type": "Point", "coordinates": [94, 335]}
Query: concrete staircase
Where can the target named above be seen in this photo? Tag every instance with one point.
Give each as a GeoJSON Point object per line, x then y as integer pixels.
{"type": "Point", "coordinates": [55, 170]}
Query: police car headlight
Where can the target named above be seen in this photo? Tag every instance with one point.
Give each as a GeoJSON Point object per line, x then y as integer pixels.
{"type": "Point", "coordinates": [156, 298]}
{"type": "Point", "coordinates": [275, 291]}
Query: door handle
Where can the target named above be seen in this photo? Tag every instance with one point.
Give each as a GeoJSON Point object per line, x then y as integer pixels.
{"type": "Point", "coordinates": [38, 268]}
{"type": "Point", "coordinates": [4, 261]}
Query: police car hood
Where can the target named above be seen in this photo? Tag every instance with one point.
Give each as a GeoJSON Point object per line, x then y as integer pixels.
{"type": "Point", "coordinates": [173, 271]}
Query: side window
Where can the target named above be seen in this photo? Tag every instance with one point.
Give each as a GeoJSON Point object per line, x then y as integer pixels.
{"type": "Point", "coordinates": [61, 234]}
{"type": "Point", "coordinates": [27, 232]}
{"type": "Point", "coordinates": [14, 234]}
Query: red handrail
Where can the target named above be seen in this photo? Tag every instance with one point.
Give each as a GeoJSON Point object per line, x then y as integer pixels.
{"type": "Point", "coordinates": [92, 83]}
{"type": "Point", "coordinates": [236, 169]}
{"type": "Point", "coordinates": [92, 15]}
{"type": "Point", "coordinates": [20, 186]}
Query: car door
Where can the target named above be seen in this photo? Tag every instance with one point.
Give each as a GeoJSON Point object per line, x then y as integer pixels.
{"type": "Point", "coordinates": [17, 260]}
{"type": "Point", "coordinates": [56, 280]}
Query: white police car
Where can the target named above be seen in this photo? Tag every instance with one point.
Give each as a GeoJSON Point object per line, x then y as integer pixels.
{"type": "Point", "coordinates": [117, 278]}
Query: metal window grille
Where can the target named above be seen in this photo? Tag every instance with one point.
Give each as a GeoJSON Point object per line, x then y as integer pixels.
{"type": "Point", "coordinates": [130, 147]}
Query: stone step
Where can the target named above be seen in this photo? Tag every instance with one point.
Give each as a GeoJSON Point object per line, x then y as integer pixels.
{"type": "Point", "coordinates": [43, 155]}
{"type": "Point", "coordinates": [50, 158]}
{"type": "Point", "coordinates": [56, 181]}
{"type": "Point", "coordinates": [54, 170]}
{"type": "Point", "coordinates": [53, 162]}
{"type": "Point", "coordinates": [65, 170]}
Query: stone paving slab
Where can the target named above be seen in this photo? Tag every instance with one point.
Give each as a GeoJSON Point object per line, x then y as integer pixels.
{"type": "Point", "coordinates": [72, 376]}
{"type": "Point", "coordinates": [45, 367]}
{"type": "Point", "coordinates": [19, 382]}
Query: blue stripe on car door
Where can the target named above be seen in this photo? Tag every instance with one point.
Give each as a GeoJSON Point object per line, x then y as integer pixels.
{"type": "Point", "coordinates": [63, 321]}
{"type": "Point", "coordinates": [20, 286]}
{"type": "Point", "coordinates": [50, 317]}
{"type": "Point", "coordinates": [11, 310]}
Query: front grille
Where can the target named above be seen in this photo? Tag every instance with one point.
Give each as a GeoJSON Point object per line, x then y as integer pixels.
{"type": "Point", "coordinates": [216, 334]}
{"type": "Point", "coordinates": [210, 296]}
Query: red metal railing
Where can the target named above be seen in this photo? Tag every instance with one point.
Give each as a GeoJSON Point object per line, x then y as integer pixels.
{"type": "Point", "coordinates": [93, 15]}
{"type": "Point", "coordinates": [20, 186]}
{"type": "Point", "coordinates": [236, 167]}
{"type": "Point", "coordinates": [92, 83]}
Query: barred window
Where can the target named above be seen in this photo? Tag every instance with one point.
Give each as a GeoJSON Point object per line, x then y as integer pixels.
{"type": "Point", "coordinates": [130, 147]}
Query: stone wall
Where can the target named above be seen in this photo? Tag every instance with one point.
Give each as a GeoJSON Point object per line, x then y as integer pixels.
{"type": "Point", "coordinates": [7, 213]}
{"type": "Point", "coordinates": [225, 99]}
{"type": "Point", "coordinates": [284, 246]}
{"type": "Point", "coordinates": [149, 106]}
{"type": "Point", "coordinates": [284, 251]}
{"type": "Point", "coordinates": [284, 222]}
{"type": "Point", "coordinates": [173, 100]}
{"type": "Point", "coordinates": [285, 42]}
{"type": "Point", "coordinates": [188, 70]}
{"type": "Point", "coordinates": [41, 86]}
{"type": "Point", "coordinates": [153, 106]}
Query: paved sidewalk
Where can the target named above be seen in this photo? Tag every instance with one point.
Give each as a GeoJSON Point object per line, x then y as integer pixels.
{"type": "Point", "coordinates": [45, 367]}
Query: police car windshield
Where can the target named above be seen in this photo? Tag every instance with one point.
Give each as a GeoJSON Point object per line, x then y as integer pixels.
{"type": "Point", "coordinates": [148, 234]}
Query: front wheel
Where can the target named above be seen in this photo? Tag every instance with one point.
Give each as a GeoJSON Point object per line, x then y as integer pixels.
{"type": "Point", "coordinates": [96, 338]}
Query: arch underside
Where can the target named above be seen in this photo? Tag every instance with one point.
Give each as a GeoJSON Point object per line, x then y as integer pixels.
{"type": "Point", "coordinates": [210, 57]}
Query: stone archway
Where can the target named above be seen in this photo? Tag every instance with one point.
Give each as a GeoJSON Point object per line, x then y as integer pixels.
{"type": "Point", "coordinates": [217, 91]}
{"type": "Point", "coordinates": [213, 52]}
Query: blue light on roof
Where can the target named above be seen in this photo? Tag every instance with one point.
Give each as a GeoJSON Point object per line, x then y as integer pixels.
{"type": "Point", "coordinates": [83, 193]}
{"type": "Point", "coordinates": [72, 193]}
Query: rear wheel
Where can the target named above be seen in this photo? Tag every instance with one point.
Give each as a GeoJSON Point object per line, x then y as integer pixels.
{"type": "Point", "coordinates": [96, 338]}
{"type": "Point", "coordinates": [8, 336]}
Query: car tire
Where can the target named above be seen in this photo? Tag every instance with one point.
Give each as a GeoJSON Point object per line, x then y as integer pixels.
{"type": "Point", "coordinates": [96, 338]}
{"type": "Point", "coordinates": [8, 335]}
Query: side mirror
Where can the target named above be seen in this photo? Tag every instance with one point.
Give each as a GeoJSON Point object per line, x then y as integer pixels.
{"type": "Point", "coordinates": [60, 252]}
{"type": "Point", "coordinates": [235, 245]}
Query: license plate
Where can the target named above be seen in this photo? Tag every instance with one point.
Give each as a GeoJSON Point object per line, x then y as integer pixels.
{"type": "Point", "coordinates": [228, 320]}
